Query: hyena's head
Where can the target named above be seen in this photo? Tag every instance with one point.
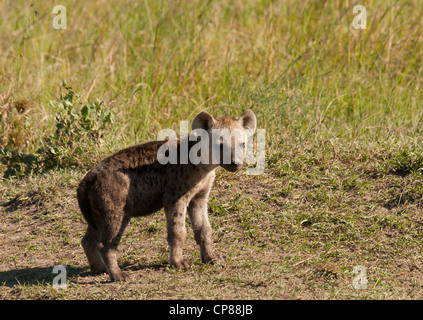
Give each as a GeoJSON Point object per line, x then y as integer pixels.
{"type": "Point", "coordinates": [227, 137]}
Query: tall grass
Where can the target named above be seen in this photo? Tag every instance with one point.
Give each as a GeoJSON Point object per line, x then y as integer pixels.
{"type": "Point", "coordinates": [300, 65]}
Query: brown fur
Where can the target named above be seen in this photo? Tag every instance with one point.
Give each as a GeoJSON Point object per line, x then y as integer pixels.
{"type": "Point", "coordinates": [132, 183]}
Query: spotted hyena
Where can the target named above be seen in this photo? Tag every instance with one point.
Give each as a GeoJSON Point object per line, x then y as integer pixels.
{"type": "Point", "coordinates": [133, 182]}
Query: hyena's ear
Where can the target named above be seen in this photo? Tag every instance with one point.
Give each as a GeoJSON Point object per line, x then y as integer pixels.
{"type": "Point", "coordinates": [248, 121]}
{"type": "Point", "coordinates": [203, 120]}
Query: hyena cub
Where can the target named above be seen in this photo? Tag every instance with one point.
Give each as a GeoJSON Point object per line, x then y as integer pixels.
{"type": "Point", "coordinates": [133, 182]}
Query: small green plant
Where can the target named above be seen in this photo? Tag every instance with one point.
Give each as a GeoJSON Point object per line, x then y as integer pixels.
{"type": "Point", "coordinates": [78, 126]}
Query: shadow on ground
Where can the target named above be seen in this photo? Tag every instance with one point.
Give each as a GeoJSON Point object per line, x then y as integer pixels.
{"type": "Point", "coordinates": [44, 275]}
{"type": "Point", "coordinates": [37, 275]}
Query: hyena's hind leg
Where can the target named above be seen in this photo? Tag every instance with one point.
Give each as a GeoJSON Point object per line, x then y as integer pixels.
{"type": "Point", "coordinates": [111, 234]}
{"type": "Point", "coordinates": [90, 244]}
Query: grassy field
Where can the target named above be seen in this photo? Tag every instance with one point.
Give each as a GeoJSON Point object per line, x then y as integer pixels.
{"type": "Point", "coordinates": [343, 114]}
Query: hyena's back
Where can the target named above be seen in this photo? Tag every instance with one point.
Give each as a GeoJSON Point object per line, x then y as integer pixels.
{"type": "Point", "coordinates": [129, 181]}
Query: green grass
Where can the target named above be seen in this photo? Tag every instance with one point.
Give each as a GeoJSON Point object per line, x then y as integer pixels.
{"type": "Point", "coordinates": [342, 109]}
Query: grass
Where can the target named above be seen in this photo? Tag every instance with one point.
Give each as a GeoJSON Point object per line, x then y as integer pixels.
{"type": "Point", "coordinates": [342, 109]}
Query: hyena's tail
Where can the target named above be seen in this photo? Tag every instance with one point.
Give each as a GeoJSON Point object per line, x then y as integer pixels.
{"type": "Point", "coordinates": [84, 202]}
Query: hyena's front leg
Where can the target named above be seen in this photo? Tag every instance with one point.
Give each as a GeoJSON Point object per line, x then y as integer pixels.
{"type": "Point", "coordinates": [176, 233]}
{"type": "Point", "coordinates": [197, 211]}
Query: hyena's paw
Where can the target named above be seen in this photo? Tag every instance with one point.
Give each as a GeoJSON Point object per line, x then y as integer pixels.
{"type": "Point", "coordinates": [180, 264]}
{"type": "Point", "coordinates": [119, 276]}
{"type": "Point", "coordinates": [98, 269]}
{"type": "Point", "coordinates": [214, 259]}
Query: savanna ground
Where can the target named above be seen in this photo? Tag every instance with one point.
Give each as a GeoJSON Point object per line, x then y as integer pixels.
{"type": "Point", "coordinates": [342, 109]}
